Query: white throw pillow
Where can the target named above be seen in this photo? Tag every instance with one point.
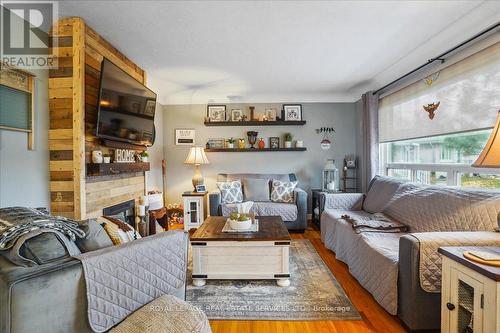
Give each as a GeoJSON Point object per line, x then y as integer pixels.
{"type": "Point", "coordinates": [283, 191]}
{"type": "Point", "coordinates": [231, 192]}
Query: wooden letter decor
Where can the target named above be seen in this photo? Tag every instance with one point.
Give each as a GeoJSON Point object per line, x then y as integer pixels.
{"type": "Point", "coordinates": [124, 156]}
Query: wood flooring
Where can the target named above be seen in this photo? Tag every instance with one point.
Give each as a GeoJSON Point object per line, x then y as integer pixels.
{"type": "Point", "coordinates": [375, 318]}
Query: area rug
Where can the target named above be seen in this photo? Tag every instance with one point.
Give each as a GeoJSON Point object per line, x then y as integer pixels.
{"type": "Point", "coordinates": [313, 294]}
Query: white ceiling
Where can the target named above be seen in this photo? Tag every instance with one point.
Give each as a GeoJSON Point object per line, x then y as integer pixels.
{"type": "Point", "coordinates": [279, 51]}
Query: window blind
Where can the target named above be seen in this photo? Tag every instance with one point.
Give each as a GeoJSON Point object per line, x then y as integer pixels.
{"type": "Point", "coordinates": [15, 108]}
{"type": "Point", "coordinates": [469, 96]}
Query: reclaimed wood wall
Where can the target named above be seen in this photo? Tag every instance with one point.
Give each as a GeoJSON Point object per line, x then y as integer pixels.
{"type": "Point", "coordinates": [73, 93]}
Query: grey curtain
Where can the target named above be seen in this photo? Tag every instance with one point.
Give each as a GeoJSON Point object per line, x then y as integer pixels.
{"type": "Point", "coordinates": [369, 143]}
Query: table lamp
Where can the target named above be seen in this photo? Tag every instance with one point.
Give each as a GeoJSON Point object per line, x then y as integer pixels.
{"type": "Point", "coordinates": [490, 156]}
{"type": "Point", "coordinates": [197, 157]}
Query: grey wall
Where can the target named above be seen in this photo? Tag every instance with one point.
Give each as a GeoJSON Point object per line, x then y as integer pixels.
{"type": "Point", "coordinates": [154, 176]}
{"type": "Point", "coordinates": [24, 174]}
{"type": "Point", "coordinates": [307, 165]}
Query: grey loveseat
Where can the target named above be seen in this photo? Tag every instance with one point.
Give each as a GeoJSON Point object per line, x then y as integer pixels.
{"type": "Point", "coordinates": [388, 265]}
{"type": "Point", "coordinates": [52, 297]}
{"type": "Point", "coordinates": [294, 215]}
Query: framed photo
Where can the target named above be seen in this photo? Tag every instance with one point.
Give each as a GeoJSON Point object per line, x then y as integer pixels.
{"type": "Point", "coordinates": [185, 136]}
{"type": "Point", "coordinates": [216, 143]}
{"type": "Point", "coordinates": [236, 115]}
{"type": "Point", "coordinates": [147, 136]}
{"type": "Point", "coordinates": [216, 113]}
{"type": "Point", "coordinates": [274, 142]}
{"type": "Point", "coordinates": [200, 188]}
{"type": "Point", "coordinates": [292, 112]}
{"type": "Point", "coordinates": [149, 109]}
{"type": "Point", "coordinates": [270, 114]}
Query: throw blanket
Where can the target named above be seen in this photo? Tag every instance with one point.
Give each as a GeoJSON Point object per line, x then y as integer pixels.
{"type": "Point", "coordinates": [430, 260]}
{"type": "Point", "coordinates": [122, 279]}
{"type": "Point", "coordinates": [377, 222]}
{"type": "Point", "coordinates": [18, 221]}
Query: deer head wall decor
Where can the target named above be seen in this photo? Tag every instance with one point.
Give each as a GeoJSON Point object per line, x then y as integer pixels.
{"type": "Point", "coordinates": [431, 108]}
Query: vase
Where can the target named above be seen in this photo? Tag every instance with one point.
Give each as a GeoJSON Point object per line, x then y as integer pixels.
{"type": "Point", "coordinates": [97, 156]}
{"type": "Point", "coordinates": [262, 144]}
{"type": "Point", "coordinates": [299, 144]}
{"type": "Point", "coordinates": [252, 138]}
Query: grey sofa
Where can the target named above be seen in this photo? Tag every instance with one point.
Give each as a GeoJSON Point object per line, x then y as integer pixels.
{"type": "Point", "coordinates": [388, 264]}
{"type": "Point", "coordinates": [294, 215]}
{"type": "Point", "coordinates": [50, 297]}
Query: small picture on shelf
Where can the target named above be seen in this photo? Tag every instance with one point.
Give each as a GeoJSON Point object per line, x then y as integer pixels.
{"type": "Point", "coordinates": [274, 142]}
{"type": "Point", "coordinates": [270, 114]}
{"type": "Point", "coordinates": [292, 112]}
{"type": "Point", "coordinates": [149, 109]}
{"type": "Point", "coordinates": [200, 188]}
{"type": "Point", "coordinates": [216, 113]}
{"type": "Point", "coordinates": [236, 115]}
{"type": "Point", "coordinates": [215, 143]}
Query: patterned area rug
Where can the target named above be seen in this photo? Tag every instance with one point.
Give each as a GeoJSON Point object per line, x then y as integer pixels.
{"type": "Point", "coordinates": [314, 293]}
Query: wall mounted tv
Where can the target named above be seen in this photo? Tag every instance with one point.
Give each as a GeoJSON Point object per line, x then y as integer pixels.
{"type": "Point", "coordinates": [126, 108]}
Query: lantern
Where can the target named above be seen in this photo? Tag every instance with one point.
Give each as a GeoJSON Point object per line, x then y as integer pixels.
{"type": "Point", "coordinates": [330, 176]}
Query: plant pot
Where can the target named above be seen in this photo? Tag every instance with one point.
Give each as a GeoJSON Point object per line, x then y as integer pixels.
{"type": "Point", "coordinates": [240, 225]}
{"type": "Point", "coordinates": [230, 145]}
{"type": "Point", "coordinates": [106, 159]}
{"type": "Point", "coordinates": [299, 144]}
{"type": "Point", "coordinates": [144, 159]}
{"type": "Point", "coordinates": [288, 144]}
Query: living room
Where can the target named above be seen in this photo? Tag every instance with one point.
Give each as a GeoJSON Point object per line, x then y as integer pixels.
{"type": "Point", "coordinates": [250, 166]}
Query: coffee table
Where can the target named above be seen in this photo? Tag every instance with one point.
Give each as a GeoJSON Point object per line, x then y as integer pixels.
{"type": "Point", "coordinates": [241, 256]}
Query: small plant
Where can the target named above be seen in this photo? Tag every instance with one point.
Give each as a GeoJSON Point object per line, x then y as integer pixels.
{"type": "Point", "coordinates": [238, 217]}
{"type": "Point", "coordinates": [231, 140]}
{"type": "Point", "coordinates": [288, 136]}
{"type": "Point", "coordinates": [144, 154]}
{"type": "Point", "coordinates": [106, 155]}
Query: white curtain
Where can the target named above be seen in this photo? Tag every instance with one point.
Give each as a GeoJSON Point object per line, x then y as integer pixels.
{"type": "Point", "coordinates": [469, 96]}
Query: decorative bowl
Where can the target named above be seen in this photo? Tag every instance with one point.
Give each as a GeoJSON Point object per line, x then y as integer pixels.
{"type": "Point", "coordinates": [240, 225]}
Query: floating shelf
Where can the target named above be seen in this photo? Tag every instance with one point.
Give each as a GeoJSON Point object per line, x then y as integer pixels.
{"type": "Point", "coordinates": [251, 150]}
{"type": "Point", "coordinates": [256, 123]}
{"type": "Point", "coordinates": [101, 169]}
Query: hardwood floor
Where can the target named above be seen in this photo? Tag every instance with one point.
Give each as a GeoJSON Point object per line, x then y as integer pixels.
{"type": "Point", "coordinates": [375, 318]}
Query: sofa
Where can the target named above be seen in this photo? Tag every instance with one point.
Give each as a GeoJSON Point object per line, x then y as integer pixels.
{"type": "Point", "coordinates": [401, 269]}
{"type": "Point", "coordinates": [50, 294]}
{"type": "Point", "coordinates": [293, 214]}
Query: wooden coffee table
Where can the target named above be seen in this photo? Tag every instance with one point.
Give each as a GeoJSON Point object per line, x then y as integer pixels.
{"type": "Point", "coordinates": [241, 256]}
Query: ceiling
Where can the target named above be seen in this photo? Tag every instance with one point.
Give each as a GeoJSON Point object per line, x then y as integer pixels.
{"type": "Point", "coordinates": [198, 52]}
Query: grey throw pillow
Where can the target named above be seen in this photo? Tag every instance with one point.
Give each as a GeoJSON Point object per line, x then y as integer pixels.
{"type": "Point", "coordinates": [283, 191]}
{"type": "Point", "coordinates": [256, 189]}
{"type": "Point", "coordinates": [380, 193]}
{"type": "Point", "coordinates": [231, 192]}
{"type": "Point", "coordinates": [95, 236]}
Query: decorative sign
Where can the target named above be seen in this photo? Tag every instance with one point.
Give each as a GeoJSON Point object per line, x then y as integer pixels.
{"type": "Point", "coordinates": [124, 156]}
{"type": "Point", "coordinates": [185, 137]}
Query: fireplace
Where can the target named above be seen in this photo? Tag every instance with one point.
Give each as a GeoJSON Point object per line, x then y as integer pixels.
{"type": "Point", "coordinates": [124, 211]}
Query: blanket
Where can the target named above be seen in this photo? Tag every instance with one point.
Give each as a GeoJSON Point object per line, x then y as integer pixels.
{"type": "Point", "coordinates": [18, 221]}
{"type": "Point", "coordinates": [122, 279]}
{"type": "Point", "coordinates": [377, 222]}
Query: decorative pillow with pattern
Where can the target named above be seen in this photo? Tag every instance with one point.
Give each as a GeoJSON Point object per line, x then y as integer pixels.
{"type": "Point", "coordinates": [231, 192]}
{"type": "Point", "coordinates": [283, 191]}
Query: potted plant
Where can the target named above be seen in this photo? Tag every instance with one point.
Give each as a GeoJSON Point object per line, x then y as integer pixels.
{"type": "Point", "coordinates": [143, 156]}
{"type": "Point", "coordinates": [239, 221]}
{"type": "Point", "coordinates": [230, 142]}
{"type": "Point", "coordinates": [288, 140]}
{"type": "Point", "coordinates": [106, 158]}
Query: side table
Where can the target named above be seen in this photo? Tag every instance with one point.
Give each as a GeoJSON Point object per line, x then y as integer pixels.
{"type": "Point", "coordinates": [318, 204]}
{"type": "Point", "coordinates": [195, 209]}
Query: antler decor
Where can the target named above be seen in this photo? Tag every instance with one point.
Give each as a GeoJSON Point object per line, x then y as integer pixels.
{"type": "Point", "coordinates": [431, 108]}
{"type": "Point", "coordinates": [326, 130]}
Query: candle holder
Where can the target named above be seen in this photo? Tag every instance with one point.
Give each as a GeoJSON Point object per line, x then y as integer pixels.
{"type": "Point", "coordinates": [252, 138]}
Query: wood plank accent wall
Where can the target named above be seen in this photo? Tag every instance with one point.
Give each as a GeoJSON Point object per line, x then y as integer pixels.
{"type": "Point", "coordinates": [73, 93]}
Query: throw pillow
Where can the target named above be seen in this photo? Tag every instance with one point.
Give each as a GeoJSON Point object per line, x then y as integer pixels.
{"type": "Point", "coordinates": [119, 231]}
{"type": "Point", "coordinates": [283, 191]}
{"type": "Point", "coordinates": [95, 236]}
{"type": "Point", "coordinates": [231, 192]}
{"type": "Point", "coordinates": [256, 189]}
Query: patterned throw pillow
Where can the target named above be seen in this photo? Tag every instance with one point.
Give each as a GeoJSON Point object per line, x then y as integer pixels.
{"type": "Point", "coordinates": [283, 191]}
{"type": "Point", "coordinates": [231, 192]}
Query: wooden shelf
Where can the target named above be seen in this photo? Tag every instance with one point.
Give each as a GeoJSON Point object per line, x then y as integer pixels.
{"type": "Point", "coordinates": [256, 123]}
{"type": "Point", "coordinates": [251, 150]}
{"type": "Point", "coordinates": [101, 169]}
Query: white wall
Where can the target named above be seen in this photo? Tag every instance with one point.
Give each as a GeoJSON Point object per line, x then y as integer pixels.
{"type": "Point", "coordinates": [307, 165]}
{"type": "Point", "coordinates": [24, 174]}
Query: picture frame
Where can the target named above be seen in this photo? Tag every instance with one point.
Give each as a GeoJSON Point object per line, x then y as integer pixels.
{"type": "Point", "coordinates": [216, 113]}
{"type": "Point", "coordinates": [216, 143]}
{"type": "Point", "coordinates": [149, 108]}
{"type": "Point", "coordinates": [236, 115]}
{"type": "Point", "coordinates": [274, 142]}
{"type": "Point", "coordinates": [271, 114]}
{"type": "Point", "coordinates": [185, 136]}
{"type": "Point", "coordinates": [292, 112]}
{"type": "Point", "coordinates": [200, 189]}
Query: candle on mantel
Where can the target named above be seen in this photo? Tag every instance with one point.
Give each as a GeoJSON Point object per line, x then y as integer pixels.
{"type": "Point", "coordinates": [142, 210]}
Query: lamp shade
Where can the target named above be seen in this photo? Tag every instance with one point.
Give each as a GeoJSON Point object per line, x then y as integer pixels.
{"type": "Point", "coordinates": [196, 156]}
{"type": "Point", "coordinates": [490, 156]}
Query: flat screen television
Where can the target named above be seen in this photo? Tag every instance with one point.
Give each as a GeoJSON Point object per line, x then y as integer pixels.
{"type": "Point", "coordinates": [126, 108]}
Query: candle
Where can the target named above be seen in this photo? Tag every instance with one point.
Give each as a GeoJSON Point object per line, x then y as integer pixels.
{"type": "Point", "coordinates": [143, 200]}
{"type": "Point", "coordinates": [142, 210]}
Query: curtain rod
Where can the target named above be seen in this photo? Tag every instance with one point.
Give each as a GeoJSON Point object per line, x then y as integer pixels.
{"type": "Point", "coordinates": [440, 57]}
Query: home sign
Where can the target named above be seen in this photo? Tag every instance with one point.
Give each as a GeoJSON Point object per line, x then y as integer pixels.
{"type": "Point", "coordinates": [124, 156]}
